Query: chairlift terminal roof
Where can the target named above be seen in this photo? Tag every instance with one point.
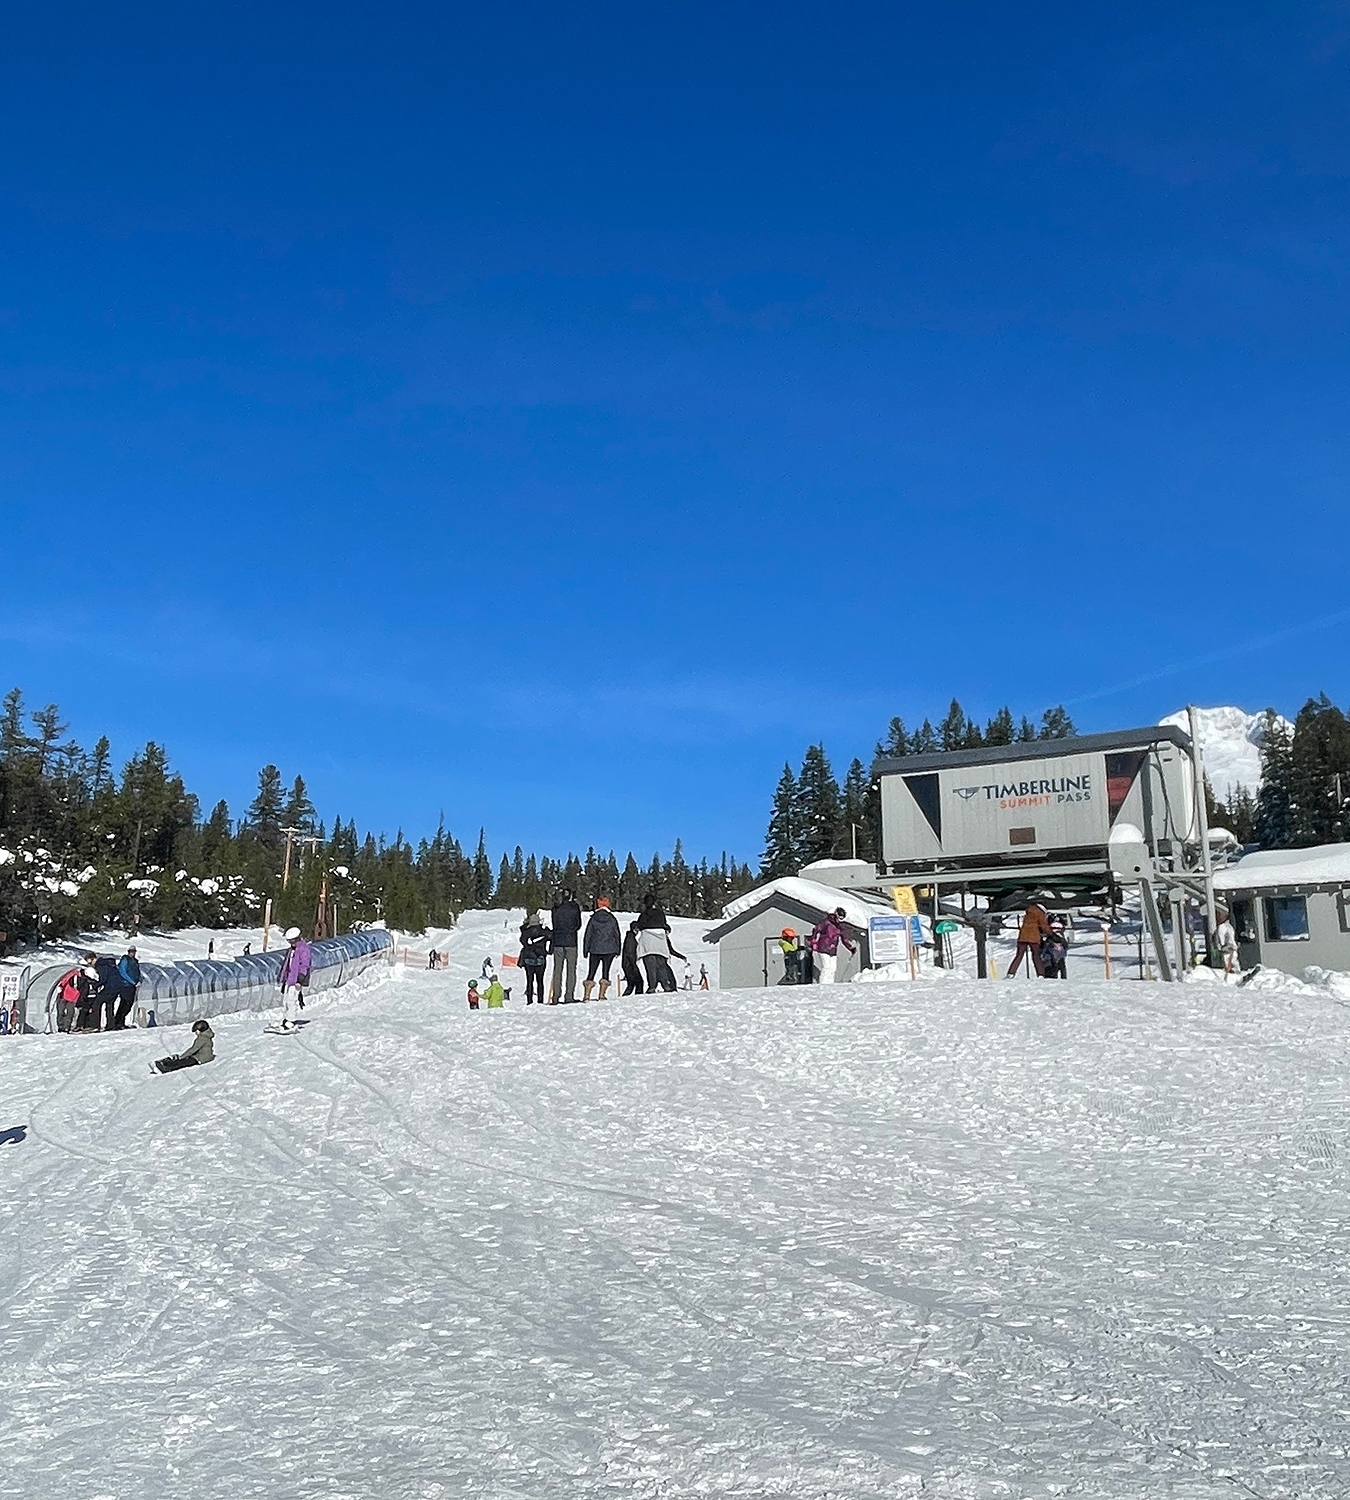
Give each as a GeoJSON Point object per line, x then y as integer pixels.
{"type": "Point", "coordinates": [990, 755]}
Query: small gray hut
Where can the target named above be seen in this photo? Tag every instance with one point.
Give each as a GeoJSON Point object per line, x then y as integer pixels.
{"type": "Point", "coordinates": [1290, 907]}
{"type": "Point", "coordinates": [749, 956]}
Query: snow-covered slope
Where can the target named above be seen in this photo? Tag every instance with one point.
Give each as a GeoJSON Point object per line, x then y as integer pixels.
{"type": "Point", "coordinates": [1230, 746]}
{"type": "Point", "coordinates": [954, 1239]}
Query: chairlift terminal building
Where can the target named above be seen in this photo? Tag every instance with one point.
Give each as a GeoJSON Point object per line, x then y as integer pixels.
{"type": "Point", "coordinates": [995, 814]}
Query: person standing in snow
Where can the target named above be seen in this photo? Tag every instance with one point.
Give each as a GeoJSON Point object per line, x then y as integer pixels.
{"type": "Point", "coordinates": [1055, 950]}
{"type": "Point", "coordinates": [201, 1050]}
{"type": "Point", "coordinates": [109, 987]}
{"type": "Point", "coordinates": [628, 961]}
{"type": "Point", "coordinates": [655, 950]}
{"type": "Point", "coordinates": [534, 941]}
{"type": "Point", "coordinates": [86, 981]}
{"type": "Point", "coordinates": [825, 938]}
{"type": "Point", "coordinates": [294, 977]}
{"type": "Point", "coordinates": [473, 994]}
{"type": "Point", "coordinates": [601, 944]}
{"type": "Point", "coordinates": [494, 995]}
{"type": "Point", "coordinates": [67, 1000]}
{"type": "Point", "coordinates": [1225, 940]}
{"type": "Point", "coordinates": [566, 932]}
{"type": "Point", "coordinates": [129, 978]}
{"type": "Point", "coordinates": [1033, 932]}
{"type": "Point", "coordinates": [790, 945]}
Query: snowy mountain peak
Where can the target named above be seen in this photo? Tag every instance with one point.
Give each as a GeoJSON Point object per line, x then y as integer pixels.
{"type": "Point", "coordinates": [1230, 746]}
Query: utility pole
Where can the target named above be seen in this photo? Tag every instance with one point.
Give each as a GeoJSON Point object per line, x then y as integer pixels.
{"type": "Point", "coordinates": [299, 836]}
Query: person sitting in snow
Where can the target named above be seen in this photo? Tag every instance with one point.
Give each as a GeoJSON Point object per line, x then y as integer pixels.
{"type": "Point", "coordinates": [202, 1050]}
{"type": "Point", "coordinates": [473, 994]}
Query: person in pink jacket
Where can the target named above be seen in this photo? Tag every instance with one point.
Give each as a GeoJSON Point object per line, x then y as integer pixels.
{"type": "Point", "coordinates": [294, 977]}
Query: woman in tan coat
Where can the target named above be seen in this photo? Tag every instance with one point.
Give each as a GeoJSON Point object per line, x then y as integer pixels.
{"type": "Point", "coordinates": [1035, 927]}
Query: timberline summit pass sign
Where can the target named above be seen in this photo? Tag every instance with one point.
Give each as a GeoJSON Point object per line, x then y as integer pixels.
{"type": "Point", "coordinates": [1038, 792]}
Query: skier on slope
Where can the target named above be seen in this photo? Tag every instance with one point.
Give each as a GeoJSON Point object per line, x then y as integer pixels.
{"type": "Point", "coordinates": [201, 1050]}
{"type": "Point", "coordinates": [294, 976]}
{"type": "Point", "coordinates": [566, 930]}
{"type": "Point", "coordinates": [601, 944]}
{"type": "Point", "coordinates": [825, 938]}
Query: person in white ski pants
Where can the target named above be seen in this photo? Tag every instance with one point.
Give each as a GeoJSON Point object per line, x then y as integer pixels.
{"type": "Point", "coordinates": [826, 936]}
{"type": "Point", "coordinates": [294, 976]}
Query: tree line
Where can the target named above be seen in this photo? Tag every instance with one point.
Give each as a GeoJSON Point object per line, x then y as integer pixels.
{"type": "Point", "coordinates": [813, 817]}
{"type": "Point", "coordinates": [1304, 796]}
{"type": "Point", "coordinates": [82, 847]}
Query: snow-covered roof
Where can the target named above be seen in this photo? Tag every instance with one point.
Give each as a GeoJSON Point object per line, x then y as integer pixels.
{"type": "Point", "coordinates": [1323, 864]}
{"type": "Point", "coordinates": [858, 908]}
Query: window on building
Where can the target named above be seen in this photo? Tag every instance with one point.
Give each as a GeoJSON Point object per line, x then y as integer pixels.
{"type": "Point", "coordinates": [1286, 918]}
{"type": "Point", "coordinates": [1243, 924]}
{"type": "Point", "coordinates": [1343, 909]}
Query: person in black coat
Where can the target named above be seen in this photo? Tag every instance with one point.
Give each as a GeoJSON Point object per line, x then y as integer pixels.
{"type": "Point", "coordinates": [652, 913]}
{"type": "Point", "coordinates": [534, 951]}
{"type": "Point", "coordinates": [109, 989]}
{"type": "Point", "coordinates": [628, 961]}
{"type": "Point", "coordinates": [566, 933]}
{"type": "Point", "coordinates": [601, 944]}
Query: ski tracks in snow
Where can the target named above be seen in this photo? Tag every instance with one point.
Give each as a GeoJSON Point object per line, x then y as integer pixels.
{"type": "Point", "coordinates": [971, 1240]}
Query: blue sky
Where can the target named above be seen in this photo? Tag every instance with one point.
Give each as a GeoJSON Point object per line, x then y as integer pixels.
{"type": "Point", "coordinates": [559, 416]}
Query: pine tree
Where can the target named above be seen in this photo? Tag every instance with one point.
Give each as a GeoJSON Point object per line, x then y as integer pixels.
{"type": "Point", "coordinates": [1056, 724]}
{"type": "Point", "coordinates": [952, 731]}
{"type": "Point", "coordinates": [1026, 731]}
{"type": "Point", "coordinates": [818, 807]}
{"type": "Point", "coordinates": [895, 743]}
{"type": "Point", "coordinates": [782, 841]}
{"type": "Point", "coordinates": [1320, 773]}
{"type": "Point", "coordinates": [299, 810]}
{"type": "Point", "coordinates": [924, 740]}
{"type": "Point", "coordinates": [215, 840]}
{"type": "Point", "coordinates": [857, 812]}
{"type": "Point", "coordinates": [482, 873]}
{"type": "Point", "coordinates": [1276, 808]}
{"type": "Point", "coordinates": [1000, 729]}
{"type": "Point", "coordinates": [263, 819]}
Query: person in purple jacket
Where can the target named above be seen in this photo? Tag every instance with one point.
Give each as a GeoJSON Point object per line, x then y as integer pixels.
{"type": "Point", "coordinates": [294, 977]}
{"type": "Point", "coordinates": [826, 936]}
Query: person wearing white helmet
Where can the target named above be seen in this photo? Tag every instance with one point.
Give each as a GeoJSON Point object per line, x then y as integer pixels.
{"type": "Point", "coordinates": [294, 976]}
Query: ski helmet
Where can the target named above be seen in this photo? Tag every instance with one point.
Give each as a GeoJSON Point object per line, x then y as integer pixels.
{"type": "Point", "coordinates": [201, 1025]}
{"type": "Point", "coordinates": [788, 932]}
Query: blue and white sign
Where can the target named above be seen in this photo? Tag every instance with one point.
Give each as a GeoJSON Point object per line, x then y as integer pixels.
{"type": "Point", "coordinates": [888, 939]}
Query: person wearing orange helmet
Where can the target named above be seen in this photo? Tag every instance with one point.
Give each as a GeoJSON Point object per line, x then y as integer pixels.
{"type": "Point", "coordinates": [791, 945]}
